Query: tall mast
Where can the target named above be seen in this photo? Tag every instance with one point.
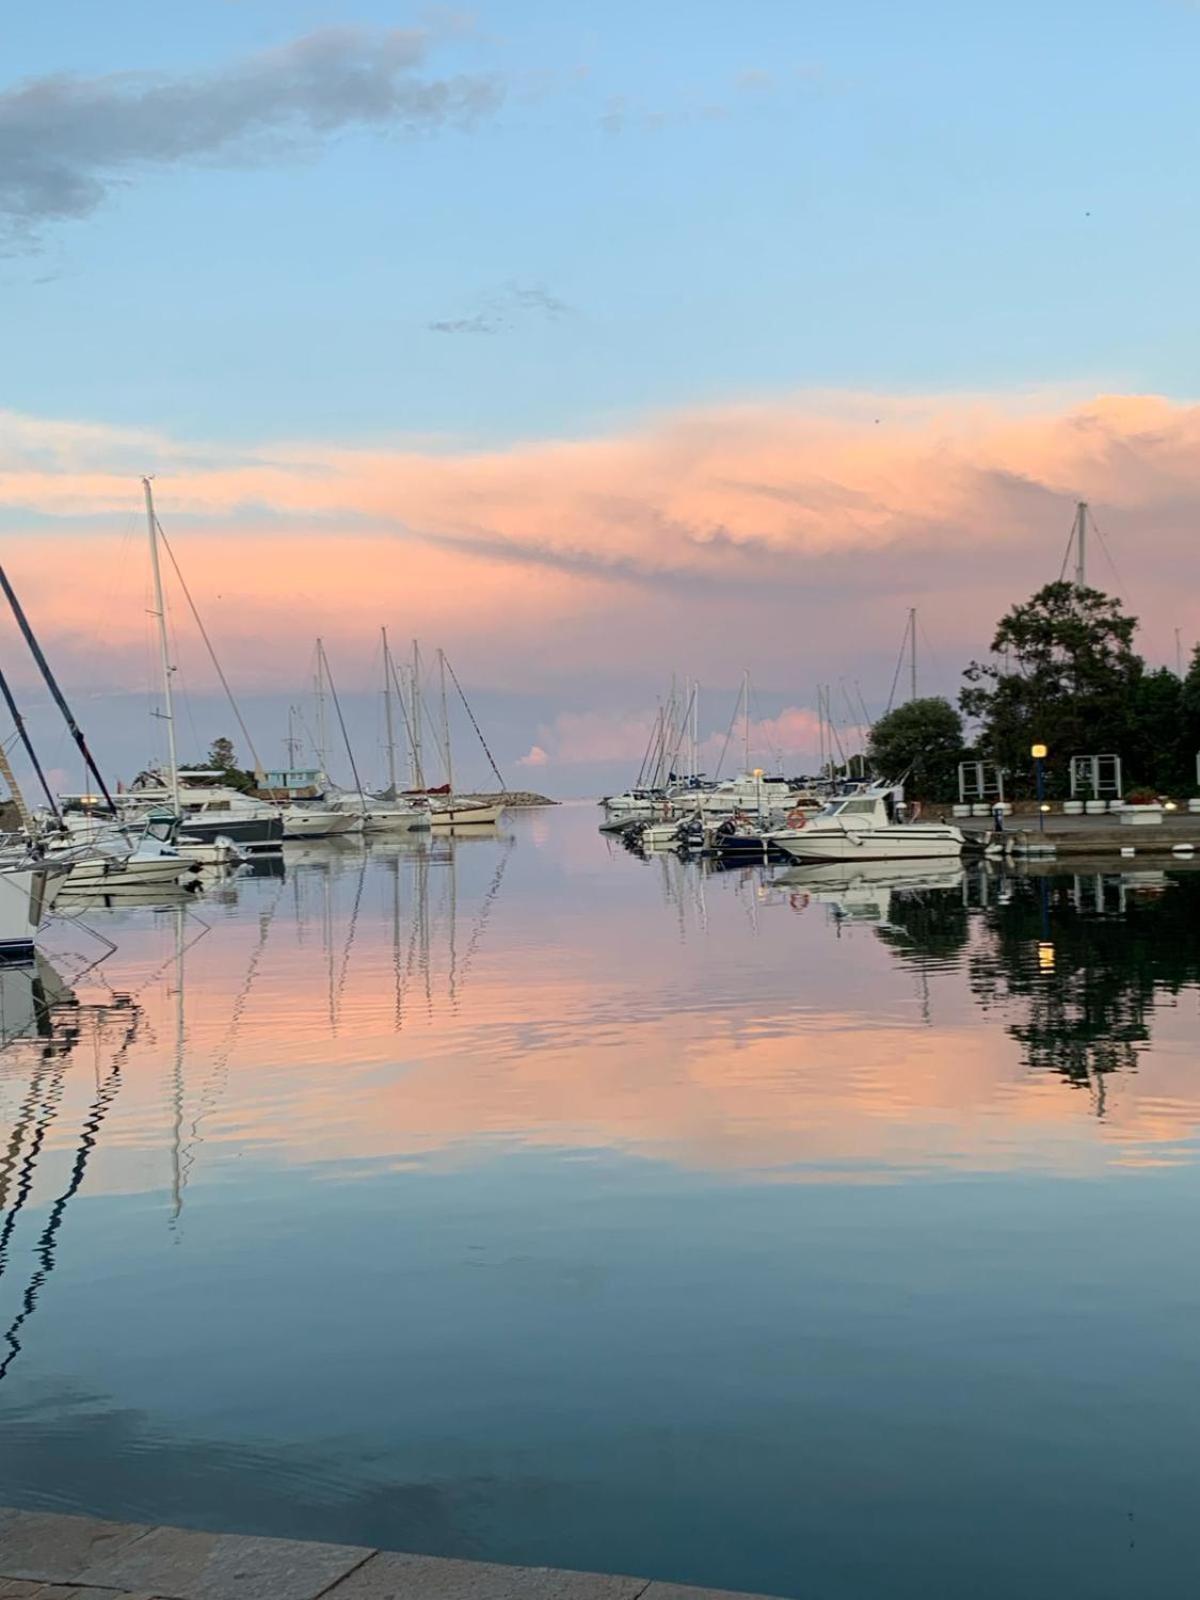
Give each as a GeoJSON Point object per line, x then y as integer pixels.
{"type": "Point", "coordinates": [1081, 512]}
{"type": "Point", "coordinates": [912, 658]}
{"type": "Point", "coordinates": [446, 754]}
{"type": "Point", "coordinates": [337, 706]}
{"type": "Point", "coordinates": [746, 720]}
{"type": "Point", "coordinates": [387, 712]}
{"type": "Point", "coordinates": [415, 721]}
{"type": "Point", "coordinates": [291, 743]}
{"type": "Point", "coordinates": [319, 692]}
{"type": "Point", "coordinates": [168, 713]}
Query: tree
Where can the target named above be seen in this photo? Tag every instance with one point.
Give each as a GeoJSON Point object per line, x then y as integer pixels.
{"type": "Point", "coordinates": [1156, 753]}
{"type": "Point", "coordinates": [221, 756]}
{"type": "Point", "coordinates": [1065, 678]}
{"type": "Point", "coordinates": [922, 741]}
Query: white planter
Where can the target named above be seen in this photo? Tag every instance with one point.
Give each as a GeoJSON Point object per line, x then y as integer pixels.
{"type": "Point", "coordinates": [1142, 816]}
{"type": "Point", "coordinates": [1072, 808]}
{"type": "Point", "coordinates": [1095, 808]}
{"type": "Point", "coordinates": [962, 811]}
{"type": "Point", "coordinates": [1194, 804]}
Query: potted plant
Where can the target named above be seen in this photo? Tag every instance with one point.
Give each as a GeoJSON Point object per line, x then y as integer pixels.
{"type": "Point", "coordinates": [1142, 808]}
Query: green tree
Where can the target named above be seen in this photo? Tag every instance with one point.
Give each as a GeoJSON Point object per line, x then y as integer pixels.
{"type": "Point", "coordinates": [221, 755]}
{"type": "Point", "coordinates": [923, 740]}
{"type": "Point", "coordinates": [1189, 723]}
{"type": "Point", "coordinates": [1065, 677]}
{"type": "Point", "coordinates": [1156, 751]}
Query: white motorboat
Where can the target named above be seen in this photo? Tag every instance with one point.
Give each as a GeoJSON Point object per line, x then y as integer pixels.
{"type": "Point", "coordinates": [112, 860]}
{"type": "Point", "coordinates": [861, 827]}
{"type": "Point", "coordinates": [319, 822]}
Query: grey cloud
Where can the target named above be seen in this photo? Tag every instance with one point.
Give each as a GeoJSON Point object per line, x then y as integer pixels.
{"type": "Point", "coordinates": [66, 141]}
{"type": "Point", "coordinates": [501, 310]}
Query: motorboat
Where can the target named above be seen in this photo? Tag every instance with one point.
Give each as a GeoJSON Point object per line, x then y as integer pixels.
{"type": "Point", "coordinates": [111, 860]}
{"type": "Point", "coordinates": [863, 827]}
{"type": "Point", "coordinates": [319, 822]}
{"type": "Point", "coordinates": [863, 891]}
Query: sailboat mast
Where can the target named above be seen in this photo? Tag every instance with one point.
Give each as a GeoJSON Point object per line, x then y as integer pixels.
{"type": "Point", "coordinates": [912, 658]}
{"type": "Point", "coordinates": [319, 694]}
{"type": "Point", "coordinates": [168, 712]}
{"type": "Point", "coordinates": [1081, 512]}
{"type": "Point", "coordinates": [415, 722]}
{"type": "Point", "coordinates": [746, 720]}
{"type": "Point", "coordinates": [387, 712]}
{"type": "Point", "coordinates": [446, 754]}
{"type": "Point", "coordinates": [337, 706]}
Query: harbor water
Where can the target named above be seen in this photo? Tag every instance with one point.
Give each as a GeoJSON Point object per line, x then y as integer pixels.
{"type": "Point", "coordinates": [513, 1197]}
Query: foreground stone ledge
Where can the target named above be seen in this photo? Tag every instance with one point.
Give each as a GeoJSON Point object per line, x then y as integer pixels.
{"type": "Point", "coordinates": [47, 1556]}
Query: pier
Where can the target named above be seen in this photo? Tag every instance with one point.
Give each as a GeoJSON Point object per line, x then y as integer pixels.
{"type": "Point", "coordinates": [1176, 834]}
{"type": "Point", "coordinates": [47, 1556]}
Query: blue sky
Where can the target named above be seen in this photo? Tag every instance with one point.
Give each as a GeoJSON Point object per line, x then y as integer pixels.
{"type": "Point", "coordinates": [694, 231]}
{"type": "Point", "coordinates": [847, 195]}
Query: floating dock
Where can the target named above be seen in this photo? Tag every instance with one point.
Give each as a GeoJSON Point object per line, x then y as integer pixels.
{"type": "Point", "coordinates": [45, 1556]}
{"type": "Point", "coordinates": [1068, 837]}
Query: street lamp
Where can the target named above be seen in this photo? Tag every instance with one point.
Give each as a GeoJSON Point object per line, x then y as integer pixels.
{"type": "Point", "coordinates": [1039, 752]}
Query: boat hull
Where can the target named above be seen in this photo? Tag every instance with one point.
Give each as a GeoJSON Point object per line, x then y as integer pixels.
{"type": "Point", "coordinates": [302, 824]}
{"type": "Point", "coordinates": [242, 830]}
{"type": "Point", "coordinates": [24, 901]}
{"type": "Point", "coordinates": [915, 842]}
{"type": "Point", "coordinates": [111, 875]}
{"type": "Point", "coordinates": [465, 816]}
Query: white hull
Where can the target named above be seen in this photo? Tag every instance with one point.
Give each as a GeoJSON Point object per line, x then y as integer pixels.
{"type": "Point", "coordinates": [414, 821]}
{"type": "Point", "coordinates": [465, 816]}
{"type": "Point", "coordinates": [24, 901]}
{"type": "Point", "coordinates": [300, 823]}
{"type": "Point", "coordinates": [109, 875]}
{"type": "Point", "coordinates": [911, 842]}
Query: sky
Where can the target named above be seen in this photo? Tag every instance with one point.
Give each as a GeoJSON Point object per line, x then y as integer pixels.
{"type": "Point", "coordinates": [594, 343]}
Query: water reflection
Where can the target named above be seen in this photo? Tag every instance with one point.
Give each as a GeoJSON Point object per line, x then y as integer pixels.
{"type": "Point", "coordinates": [555, 1182]}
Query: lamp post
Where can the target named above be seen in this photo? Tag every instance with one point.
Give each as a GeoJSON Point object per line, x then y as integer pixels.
{"type": "Point", "coordinates": [1038, 752]}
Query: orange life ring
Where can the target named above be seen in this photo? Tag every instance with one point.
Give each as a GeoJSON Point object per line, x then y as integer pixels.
{"type": "Point", "coordinates": [797, 900]}
{"type": "Point", "coordinates": [796, 819]}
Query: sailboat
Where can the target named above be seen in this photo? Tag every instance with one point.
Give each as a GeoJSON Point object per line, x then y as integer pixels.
{"type": "Point", "coordinates": [374, 813]}
{"type": "Point", "coordinates": [446, 809]}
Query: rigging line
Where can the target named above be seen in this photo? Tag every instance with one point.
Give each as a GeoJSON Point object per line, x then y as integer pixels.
{"type": "Point", "coordinates": [896, 675]}
{"type": "Point", "coordinates": [475, 725]}
{"type": "Point", "coordinates": [16, 1138]}
{"type": "Point", "coordinates": [27, 742]}
{"type": "Point", "coordinates": [337, 706]}
{"type": "Point", "coordinates": [35, 651]}
{"type": "Point", "coordinates": [46, 1246]}
{"type": "Point", "coordinates": [1108, 556]}
{"type": "Point", "coordinates": [729, 732]}
{"type": "Point", "coordinates": [220, 1069]}
{"type": "Point", "coordinates": [937, 660]}
{"type": "Point", "coordinates": [485, 910]}
{"type": "Point", "coordinates": [259, 769]}
{"type": "Point", "coordinates": [28, 1168]}
{"type": "Point", "coordinates": [400, 697]}
{"type": "Point", "coordinates": [341, 982]}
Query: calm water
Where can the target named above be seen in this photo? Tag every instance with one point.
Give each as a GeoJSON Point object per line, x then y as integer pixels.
{"type": "Point", "coordinates": [519, 1199]}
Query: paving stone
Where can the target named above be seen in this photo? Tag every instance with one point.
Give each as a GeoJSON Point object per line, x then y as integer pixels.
{"type": "Point", "coordinates": [56, 1549]}
{"type": "Point", "coordinates": [389, 1576]}
{"type": "Point", "coordinates": [179, 1564]}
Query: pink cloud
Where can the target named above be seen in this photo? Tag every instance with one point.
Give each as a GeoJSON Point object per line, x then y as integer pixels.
{"type": "Point", "coordinates": [534, 757]}
{"type": "Point", "coordinates": [790, 534]}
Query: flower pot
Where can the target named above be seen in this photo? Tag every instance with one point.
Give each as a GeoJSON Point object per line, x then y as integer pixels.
{"type": "Point", "coordinates": [1194, 804]}
{"type": "Point", "coordinates": [1072, 808]}
{"type": "Point", "coordinates": [1095, 808]}
{"type": "Point", "coordinates": [1147, 816]}
{"type": "Point", "coordinates": [962, 811]}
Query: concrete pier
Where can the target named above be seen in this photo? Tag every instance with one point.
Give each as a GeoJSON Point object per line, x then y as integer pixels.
{"type": "Point", "coordinates": [45, 1556]}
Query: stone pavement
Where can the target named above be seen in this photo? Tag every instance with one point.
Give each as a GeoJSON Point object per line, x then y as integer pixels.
{"type": "Point", "coordinates": [44, 1556]}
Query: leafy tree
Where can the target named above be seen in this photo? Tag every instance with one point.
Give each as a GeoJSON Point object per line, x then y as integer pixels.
{"type": "Point", "coordinates": [923, 739]}
{"type": "Point", "coordinates": [221, 756]}
{"type": "Point", "coordinates": [1065, 677]}
{"type": "Point", "coordinates": [1155, 753]}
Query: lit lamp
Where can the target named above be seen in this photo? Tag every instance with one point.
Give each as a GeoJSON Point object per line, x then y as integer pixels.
{"type": "Point", "coordinates": [758, 777]}
{"type": "Point", "coordinates": [1039, 753]}
{"type": "Point", "coordinates": [1045, 952]}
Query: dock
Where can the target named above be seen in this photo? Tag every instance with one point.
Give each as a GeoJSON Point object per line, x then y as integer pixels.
{"type": "Point", "coordinates": [1177, 834]}
{"type": "Point", "coordinates": [48, 1556]}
